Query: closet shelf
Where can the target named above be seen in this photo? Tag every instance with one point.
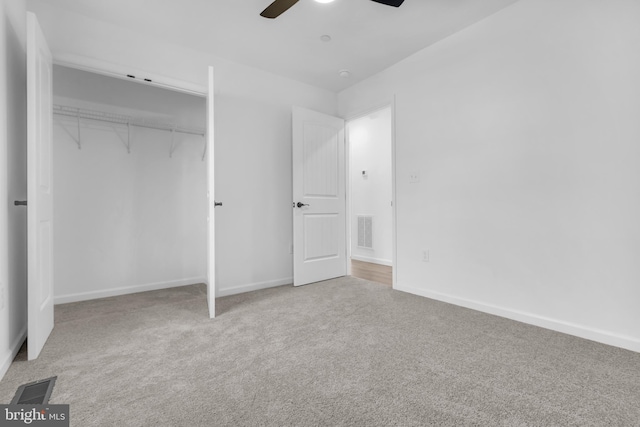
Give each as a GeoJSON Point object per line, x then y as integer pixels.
{"type": "Point", "coordinates": [121, 119]}
{"type": "Point", "coordinates": [128, 121]}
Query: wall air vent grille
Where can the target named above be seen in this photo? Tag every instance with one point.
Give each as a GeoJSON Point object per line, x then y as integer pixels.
{"type": "Point", "coordinates": [365, 231]}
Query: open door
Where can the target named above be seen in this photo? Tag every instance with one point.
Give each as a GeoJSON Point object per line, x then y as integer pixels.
{"type": "Point", "coordinates": [39, 189]}
{"type": "Point", "coordinates": [319, 204]}
{"type": "Point", "coordinates": [211, 219]}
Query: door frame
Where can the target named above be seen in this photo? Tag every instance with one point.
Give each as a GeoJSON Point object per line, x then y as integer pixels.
{"type": "Point", "coordinates": [363, 113]}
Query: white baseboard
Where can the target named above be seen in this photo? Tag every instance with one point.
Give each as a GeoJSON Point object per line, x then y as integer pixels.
{"type": "Point", "coordinates": [380, 261]}
{"type": "Point", "coordinates": [581, 331]}
{"type": "Point", "coordinates": [11, 353]}
{"type": "Point", "coordinates": [103, 293]}
{"type": "Point", "coordinates": [253, 287]}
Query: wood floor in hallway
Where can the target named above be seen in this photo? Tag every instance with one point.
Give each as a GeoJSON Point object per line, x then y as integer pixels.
{"type": "Point", "coordinates": [370, 271]}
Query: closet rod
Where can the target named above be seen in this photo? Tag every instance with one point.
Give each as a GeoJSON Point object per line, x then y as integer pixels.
{"type": "Point", "coordinates": [120, 119]}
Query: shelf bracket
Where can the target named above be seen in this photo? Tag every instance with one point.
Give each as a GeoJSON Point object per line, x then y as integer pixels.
{"type": "Point", "coordinates": [126, 143]}
{"type": "Point", "coordinates": [172, 147]}
{"type": "Point", "coordinates": [76, 138]}
{"type": "Point", "coordinates": [79, 138]}
{"type": "Point", "coordinates": [204, 152]}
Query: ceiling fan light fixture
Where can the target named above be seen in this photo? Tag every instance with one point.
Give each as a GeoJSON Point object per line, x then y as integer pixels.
{"type": "Point", "coordinates": [345, 74]}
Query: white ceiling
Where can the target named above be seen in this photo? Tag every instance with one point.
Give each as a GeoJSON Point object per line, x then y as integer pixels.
{"type": "Point", "coordinates": [367, 37]}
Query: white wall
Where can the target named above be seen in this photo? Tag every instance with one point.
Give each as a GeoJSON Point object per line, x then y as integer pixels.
{"type": "Point", "coordinates": [13, 184]}
{"type": "Point", "coordinates": [126, 222]}
{"type": "Point", "coordinates": [253, 138]}
{"type": "Point", "coordinates": [524, 128]}
{"type": "Point", "coordinates": [370, 151]}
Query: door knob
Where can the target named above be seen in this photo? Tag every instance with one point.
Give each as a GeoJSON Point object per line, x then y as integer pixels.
{"type": "Point", "coordinates": [300, 204]}
{"type": "Point", "coordinates": [216, 203]}
{"type": "Point", "coordinates": [20, 203]}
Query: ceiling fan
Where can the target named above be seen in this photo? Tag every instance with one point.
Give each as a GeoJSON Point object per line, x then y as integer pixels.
{"type": "Point", "coordinates": [278, 7]}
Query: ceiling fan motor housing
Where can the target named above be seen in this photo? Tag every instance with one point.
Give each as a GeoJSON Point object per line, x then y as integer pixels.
{"type": "Point", "coordinates": [278, 7]}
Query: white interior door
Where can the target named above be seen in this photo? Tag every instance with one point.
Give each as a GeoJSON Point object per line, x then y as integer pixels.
{"type": "Point", "coordinates": [211, 220]}
{"type": "Point", "coordinates": [39, 189]}
{"type": "Point", "coordinates": [319, 205]}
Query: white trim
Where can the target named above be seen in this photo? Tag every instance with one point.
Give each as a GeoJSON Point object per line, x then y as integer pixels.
{"type": "Point", "coordinates": [124, 290]}
{"type": "Point", "coordinates": [120, 71]}
{"type": "Point", "coordinates": [12, 352]}
{"type": "Point", "coordinates": [348, 182]}
{"type": "Point", "coordinates": [240, 289]}
{"type": "Point", "coordinates": [577, 330]}
{"type": "Point", "coordinates": [380, 261]}
{"type": "Point", "coordinates": [394, 209]}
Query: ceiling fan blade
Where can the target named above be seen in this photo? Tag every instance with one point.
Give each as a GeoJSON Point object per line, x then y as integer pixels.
{"type": "Point", "coordinates": [277, 8]}
{"type": "Point", "coordinates": [394, 3]}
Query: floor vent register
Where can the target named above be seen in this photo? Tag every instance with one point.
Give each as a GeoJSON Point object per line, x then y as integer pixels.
{"type": "Point", "coordinates": [35, 393]}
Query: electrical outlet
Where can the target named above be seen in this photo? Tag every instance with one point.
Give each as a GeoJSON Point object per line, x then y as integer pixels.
{"type": "Point", "coordinates": [425, 255]}
{"type": "Point", "coordinates": [414, 177]}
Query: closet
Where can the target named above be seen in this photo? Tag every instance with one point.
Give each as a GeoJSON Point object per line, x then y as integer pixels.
{"type": "Point", "coordinates": [130, 177]}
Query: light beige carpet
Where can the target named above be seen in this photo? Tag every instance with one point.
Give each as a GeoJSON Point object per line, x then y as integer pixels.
{"type": "Point", "coordinates": [344, 352]}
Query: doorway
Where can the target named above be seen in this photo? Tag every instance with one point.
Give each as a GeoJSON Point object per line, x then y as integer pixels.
{"type": "Point", "coordinates": [131, 186]}
{"type": "Point", "coordinates": [370, 196]}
